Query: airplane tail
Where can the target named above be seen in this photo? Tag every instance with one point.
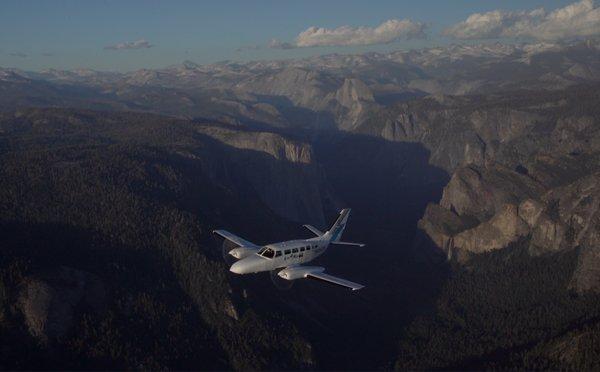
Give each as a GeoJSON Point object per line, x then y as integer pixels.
{"type": "Point", "coordinates": [336, 230]}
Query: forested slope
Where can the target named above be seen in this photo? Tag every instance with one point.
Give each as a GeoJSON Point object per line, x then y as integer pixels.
{"type": "Point", "coordinates": [107, 257]}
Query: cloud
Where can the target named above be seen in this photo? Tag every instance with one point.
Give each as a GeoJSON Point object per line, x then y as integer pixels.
{"type": "Point", "coordinates": [48, 54]}
{"type": "Point", "coordinates": [278, 44]}
{"type": "Point", "coordinates": [579, 19]}
{"type": "Point", "coordinates": [138, 44]}
{"type": "Point", "coordinates": [18, 54]}
{"type": "Point", "coordinates": [387, 32]}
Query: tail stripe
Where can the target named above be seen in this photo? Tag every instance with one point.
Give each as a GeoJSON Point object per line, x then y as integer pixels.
{"type": "Point", "coordinates": [338, 227]}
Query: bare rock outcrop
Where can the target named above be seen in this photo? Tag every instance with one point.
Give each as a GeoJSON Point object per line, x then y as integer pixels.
{"type": "Point", "coordinates": [488, 208]}
{"type": "Point", "coordinates": [481, 192]}
{"type": "Point", "coordinates": [273, 144]}
{"type": "Point", "coordinates": [282, 171]}
{"type": "Point", "coordinates": [49, 302]}
{"type": "Point", "coordinates": [441, 225]}
{"type": "Point", "coordinates": [353, 92]}
{"type": "Point", "coordinates": [483, 208]}
{"type": "Point", "coordinates": [355, 101]}
{"type": "Point", "coordinates": [303, 87]}
{"type": "Point", "coordinates": [503, 228]}
{"type": "Point", "coordinates": [539, 154]}
{"type": "Point", "coordinates": [580, 209]}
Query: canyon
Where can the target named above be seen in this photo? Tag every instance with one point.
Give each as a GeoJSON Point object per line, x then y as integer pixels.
{"type": "Point", "coordinates": [473, 173]}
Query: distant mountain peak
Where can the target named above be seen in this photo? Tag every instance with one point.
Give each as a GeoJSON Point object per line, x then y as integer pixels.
{"type": "Point", "coordinates": [190, 65]}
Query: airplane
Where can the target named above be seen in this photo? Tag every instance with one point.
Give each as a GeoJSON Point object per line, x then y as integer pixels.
{"type": "Point", "coordinates": [290, 255]}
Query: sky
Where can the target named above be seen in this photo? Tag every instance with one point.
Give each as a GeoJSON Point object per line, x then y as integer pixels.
{"type": "Point", "coordinates": [128, 35]}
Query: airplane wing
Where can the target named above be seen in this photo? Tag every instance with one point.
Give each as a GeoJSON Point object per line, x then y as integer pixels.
{"type": "Point", "coordinates": [236, 239]}
{"type": "Point", "coordinates": [316, 272]}
{"type": "Point", "coordinates": [348, 243]}
{"type": "Point", "coordinates": [335, 280]}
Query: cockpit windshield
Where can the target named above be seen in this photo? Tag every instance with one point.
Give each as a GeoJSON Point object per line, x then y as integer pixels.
{"type": "Point", "coordinates": [267, 252]}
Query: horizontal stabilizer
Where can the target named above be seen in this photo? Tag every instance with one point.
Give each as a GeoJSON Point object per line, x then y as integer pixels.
{"type": "Point", "coordinates": [314, 230]}
{"type": "Point", "coordinates": [348, 243]}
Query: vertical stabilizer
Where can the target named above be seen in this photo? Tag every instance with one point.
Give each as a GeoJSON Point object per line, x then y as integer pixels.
{"type": "Point", "coordinates": [338, 227]}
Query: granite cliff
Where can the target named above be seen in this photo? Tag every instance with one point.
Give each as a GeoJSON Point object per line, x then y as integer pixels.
{"type": "Point", "coordinates": [523, 167]}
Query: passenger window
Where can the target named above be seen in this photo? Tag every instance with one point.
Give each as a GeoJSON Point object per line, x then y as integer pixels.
{"type": "Point", "coordinates": [287, 251]}
{"type": "Point", "coordinates": [301, 249]}
{"type": "Point", "coordinates": [308, 248]}
{"type": "Point", "coordinates": [294, 250]}
{"type": "Point", "coordinates": [278, 253]}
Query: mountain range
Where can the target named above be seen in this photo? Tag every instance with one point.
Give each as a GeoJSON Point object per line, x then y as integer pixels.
{"type": "Point", "coordinates": [473, 172]}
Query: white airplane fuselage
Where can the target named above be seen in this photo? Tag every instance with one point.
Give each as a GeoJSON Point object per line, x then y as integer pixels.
{"type": "Point", "coordinates": [288, 253]}
{"type": "Point", "coordinates": [291, 255]}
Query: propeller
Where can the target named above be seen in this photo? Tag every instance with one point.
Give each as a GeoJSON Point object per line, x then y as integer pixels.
{"type": "Point", "coordinates": [279, 282]}
{"type": "Point", "coordinates": [227, 247]}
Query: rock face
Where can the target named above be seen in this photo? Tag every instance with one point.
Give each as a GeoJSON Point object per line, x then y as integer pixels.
{"type": "Point", "coordinates": [516, 129]}
{"type": "Point", "coordinates": [303, 87]}
{"type": "Point", "coordinates": [482, 191]}
{"type": "Point", "coordinates": [479, 211]}
{"type": "Point", "coordinates": [49, 303]}
{"type": "Point", "coordinates": [530, 172]}
{"type": "Point", "coordinates": [286, 178]}
{"type": "Point", "coordinates": [580, 213]}
{"type": "Point", "coordinates": [353, 91]}
{"type": "Point", "coordinates": [346, 100]}
{"type": "Point", "coordinates": [466, 222]}
{"type": "Point", "coordinates": [356, 98]}
{"type": "Point", "coordinates": [503, 228]}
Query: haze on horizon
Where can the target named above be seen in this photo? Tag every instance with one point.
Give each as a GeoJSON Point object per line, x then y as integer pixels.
{"type": "Point", "coordinates": [123, 36]}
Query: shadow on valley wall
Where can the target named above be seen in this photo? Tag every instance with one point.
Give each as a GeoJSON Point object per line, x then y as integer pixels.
{"type": "Point", "coordinates": [387, 185]}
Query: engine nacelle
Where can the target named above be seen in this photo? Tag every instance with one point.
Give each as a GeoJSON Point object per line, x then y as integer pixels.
{"type": "Point", "coordinates": [242, 252]}
{"type": "Point", "coordinates": [299, 272]}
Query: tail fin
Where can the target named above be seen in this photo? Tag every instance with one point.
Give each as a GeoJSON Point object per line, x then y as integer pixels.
{"type": "Point", "coordinates": [339, 225]}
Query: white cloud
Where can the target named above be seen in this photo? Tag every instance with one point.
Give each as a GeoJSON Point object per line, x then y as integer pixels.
{"type": "Point", "coordinates": [278, 44]}
{"type": "Point", "coordinates": [18, 54]}
{"type": "Point", "coordinates": [138, 44]}
{"type": "Point", "coordinates": [387, 32]}
{"type": "Point", "coordinates": [580, 19]}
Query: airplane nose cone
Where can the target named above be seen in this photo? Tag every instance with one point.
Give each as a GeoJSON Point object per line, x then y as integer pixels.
{"type": "Point", "coordinates": [248, 265]}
